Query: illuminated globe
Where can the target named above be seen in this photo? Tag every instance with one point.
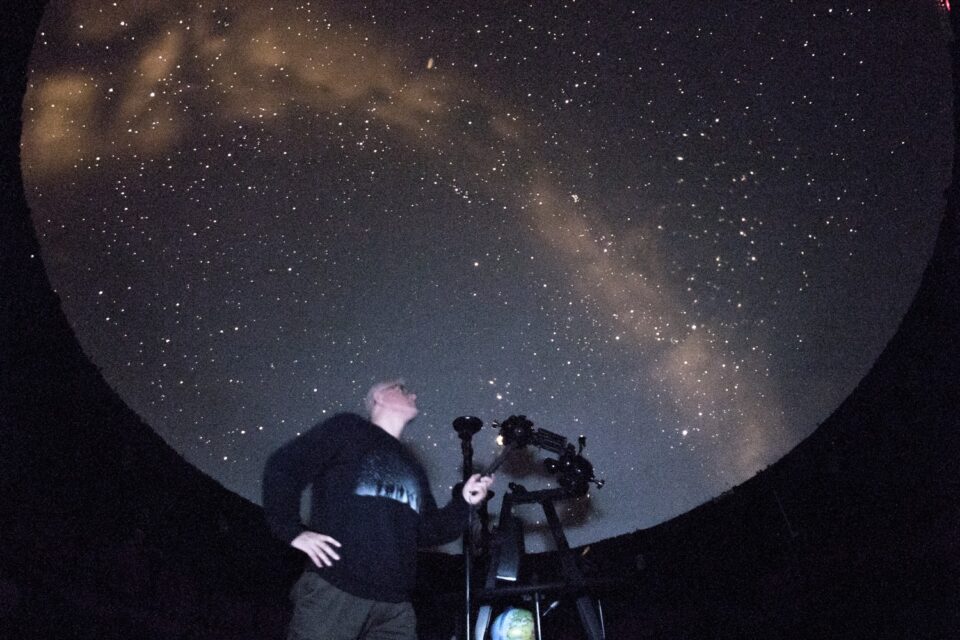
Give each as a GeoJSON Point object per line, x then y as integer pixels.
{"type": "Point", "coordinates": [513, 624]}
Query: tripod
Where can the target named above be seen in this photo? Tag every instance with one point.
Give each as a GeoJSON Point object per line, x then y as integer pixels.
{"type": "Point", "coordinates": [507, 549]}
{"type": "Point", "coordinates": [575, 475]}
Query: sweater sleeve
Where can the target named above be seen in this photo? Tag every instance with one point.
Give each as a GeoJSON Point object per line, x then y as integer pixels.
{"type": "Point", "coordinates": [288, 472]}
{"type": "Point", "coordinates": [438, 526]}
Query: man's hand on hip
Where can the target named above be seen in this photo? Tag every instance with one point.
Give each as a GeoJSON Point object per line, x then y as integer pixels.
{"type": "Point", "coordinates": [319, 547]}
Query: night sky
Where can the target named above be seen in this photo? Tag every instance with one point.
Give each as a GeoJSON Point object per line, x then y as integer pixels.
{"type": "Point", "coordinates": [684, 229]}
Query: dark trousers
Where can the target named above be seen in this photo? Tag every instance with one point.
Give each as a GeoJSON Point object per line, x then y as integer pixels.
{"type": "Point", "coordinates": [323, 612]}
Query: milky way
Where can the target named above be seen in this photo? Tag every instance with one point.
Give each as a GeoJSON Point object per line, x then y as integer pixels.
{"type": "Point", "coordinates": [684, 231]}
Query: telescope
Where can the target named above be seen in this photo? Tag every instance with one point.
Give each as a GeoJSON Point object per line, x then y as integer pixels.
{"type": "Point", "coordinates": [575, 473]}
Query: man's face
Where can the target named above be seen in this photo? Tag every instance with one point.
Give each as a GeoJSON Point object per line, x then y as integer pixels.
{"type": "Point", "coordinates": [397, 397]}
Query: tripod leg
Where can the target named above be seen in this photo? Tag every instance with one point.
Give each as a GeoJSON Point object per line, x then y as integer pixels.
{"type": "Point", "coordinates": [588, 618]}
{"type": "Point", "coordinates": [486, 610]}
{"type": "Point", "coordinates": [510, 536]}
{"type": "Point", "coordinates": [573, 575]}
{"type": "Point", "coordinates": [507, 544]}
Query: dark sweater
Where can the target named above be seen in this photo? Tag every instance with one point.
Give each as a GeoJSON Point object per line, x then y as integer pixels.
{"type": "Point", "coordinates": [368, 493]}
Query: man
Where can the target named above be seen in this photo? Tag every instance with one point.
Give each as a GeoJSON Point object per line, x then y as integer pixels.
{"type": "Point", "coordinates": [371, 508]}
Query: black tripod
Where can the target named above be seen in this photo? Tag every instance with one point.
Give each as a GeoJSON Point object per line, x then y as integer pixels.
{"type": "Point", "coordinates": [575, 475]}
{"type": "Point", "coordinates": [508, 548]}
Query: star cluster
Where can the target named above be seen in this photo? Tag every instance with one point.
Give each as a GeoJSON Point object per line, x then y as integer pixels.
{"type": "Point", "coordinates": [684, 230]}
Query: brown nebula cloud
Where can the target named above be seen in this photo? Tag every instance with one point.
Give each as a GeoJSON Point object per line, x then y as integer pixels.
{"type": "Point", "coordinates": [702, 386]}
